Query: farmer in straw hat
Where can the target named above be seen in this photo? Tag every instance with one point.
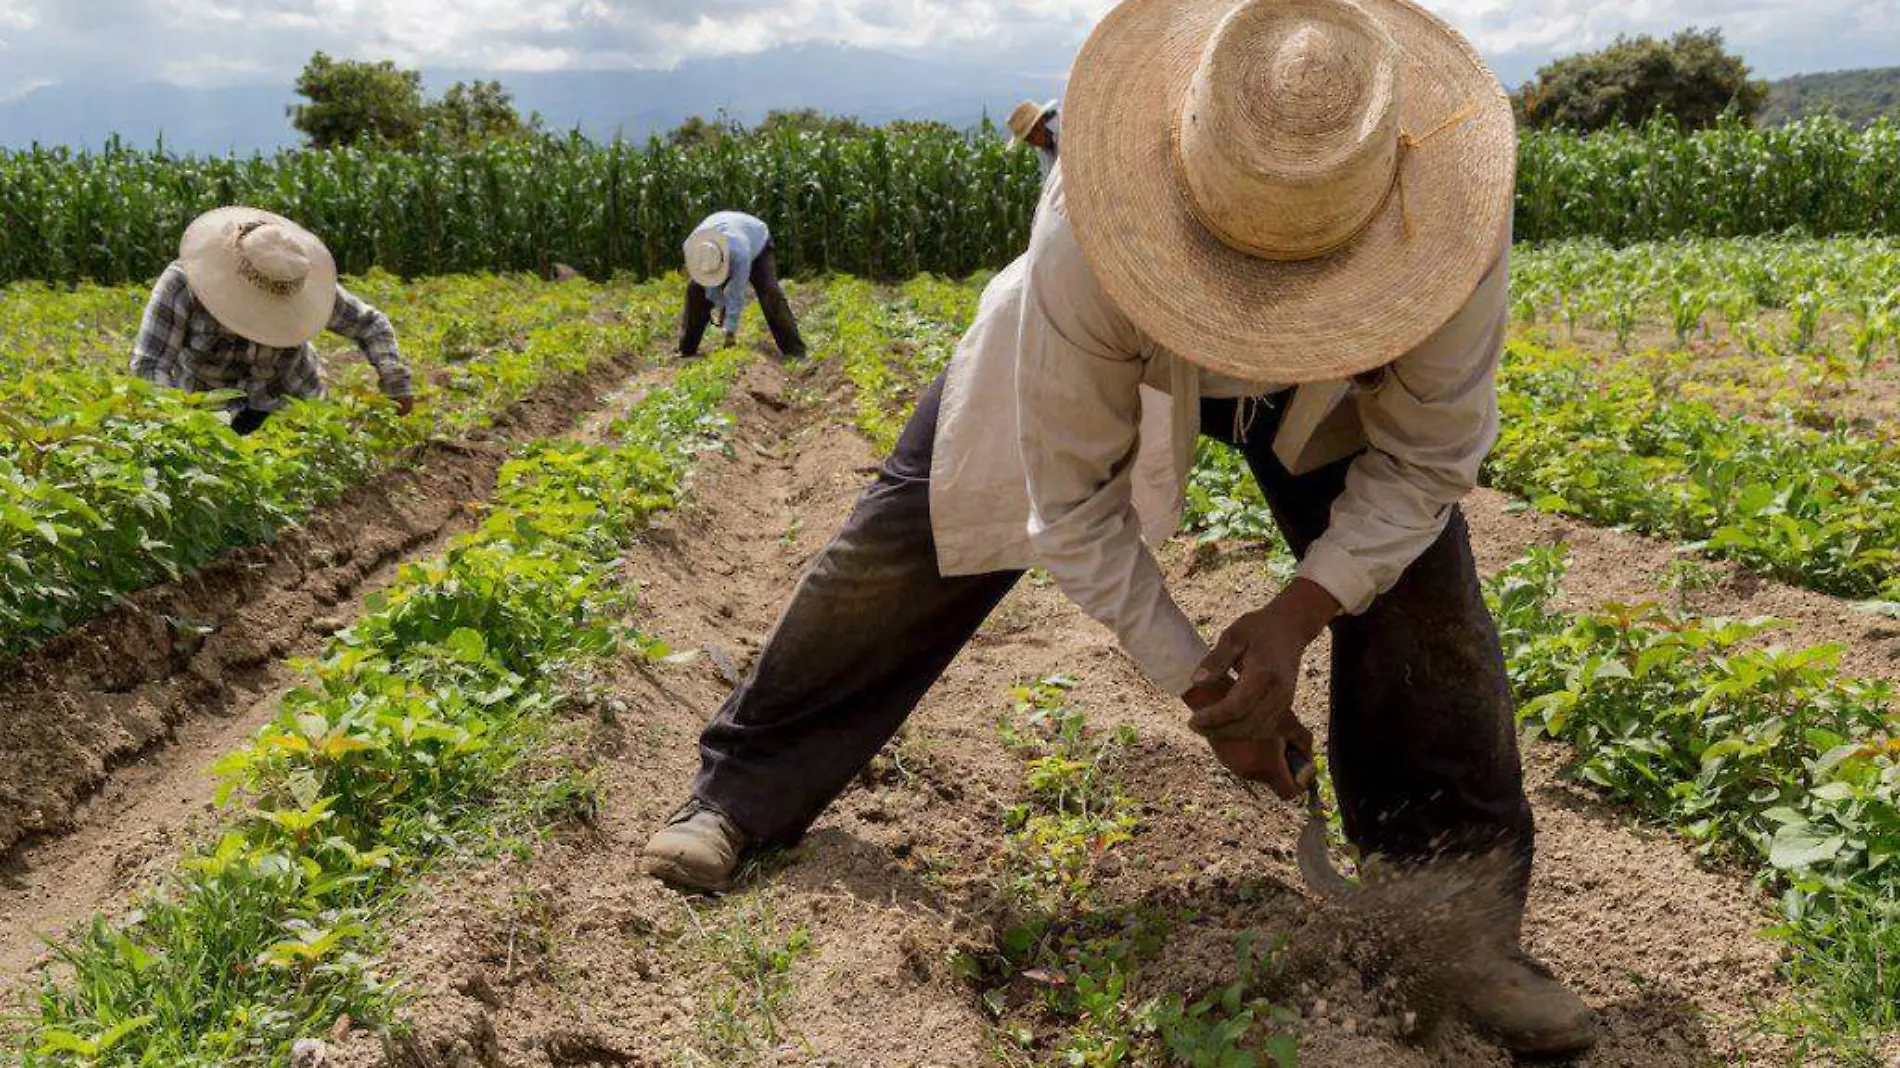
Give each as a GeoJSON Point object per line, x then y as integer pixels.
{"type": "Point", "coordinates": [723, 253]}
{"type": "Point", "coordinates": [1284, 224]}
{"type": "Point", "coordinates": [238, 309]}
{"type": "Point", "coordinates": [1038, 126]}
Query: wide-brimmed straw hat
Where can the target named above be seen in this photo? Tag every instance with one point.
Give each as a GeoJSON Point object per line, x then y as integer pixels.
{"type": "Point", "coordinates": [261, 276]}
{"type": "Point", "coordinates": [1286, 190]}
{"type": "Point", "coordinates": [1026, 116]}
{"type": "Point", "coordinates": [708, 257]}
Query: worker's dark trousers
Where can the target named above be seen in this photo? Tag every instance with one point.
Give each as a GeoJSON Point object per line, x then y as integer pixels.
{"type": "Point", "coordinates": [247, 421]}
{"type": "Point", "coordinates": [1422, 745]}
{"type": "Point", "coordinates": [777, 309]}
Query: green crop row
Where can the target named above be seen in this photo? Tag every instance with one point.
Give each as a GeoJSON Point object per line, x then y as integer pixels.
{"type": "Point", "coordinates": [1762, 755]}
{"type": "Point", "coordinates": [891, 350]}
{"type": "Point", "coordinates": [886, 204]}
{"type": "Point", "coordinates": [1820, 177]}
{"type": "Point", "coordinates": [1840, 295]}
{"type": "Point", "coordinates": [108, 485]}
{"type": "Point", "coordinates": [1813, 508]}
{"type": "Point", "coordinates": [414, 735]}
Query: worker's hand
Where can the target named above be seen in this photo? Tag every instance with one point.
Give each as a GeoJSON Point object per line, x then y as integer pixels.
{"type": "Point", "coordinates": [1257, 664]}
{"type": "Point", "coordinates": [719, 317]}
{"type": "Point", "coordinates": [404, 405]}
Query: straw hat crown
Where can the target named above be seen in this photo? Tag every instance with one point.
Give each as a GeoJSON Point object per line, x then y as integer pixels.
{"type": "Point", "coordinates": [1286, 190]}
{"type": "Point", "coordinates": [708, 257]}
{"type": "Point", "coordinates": [1289, 132]}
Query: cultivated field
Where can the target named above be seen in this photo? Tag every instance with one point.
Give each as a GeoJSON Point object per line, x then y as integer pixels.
{"type": "Point", "coordinates": [419, 844]}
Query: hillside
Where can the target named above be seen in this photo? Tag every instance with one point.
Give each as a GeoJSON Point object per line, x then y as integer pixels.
{"type": "Point", "coordinates": [1859, 96]}
{"type": "Point", "coordinates": [836, 79]}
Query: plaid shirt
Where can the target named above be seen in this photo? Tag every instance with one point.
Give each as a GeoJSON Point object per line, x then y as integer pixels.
{"type": "Point", "coordinates": [180, 345]}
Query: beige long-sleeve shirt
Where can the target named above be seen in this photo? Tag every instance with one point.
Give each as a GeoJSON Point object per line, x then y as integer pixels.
{"type": "Point", "coordinates": [1066, 435]}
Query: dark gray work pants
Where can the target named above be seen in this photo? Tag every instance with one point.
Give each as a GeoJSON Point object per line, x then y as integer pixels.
{"type": "Point", "coordinates": [1422, 745]}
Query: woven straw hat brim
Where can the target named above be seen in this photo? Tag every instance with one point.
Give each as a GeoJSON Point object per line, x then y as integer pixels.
{"type": "Point", "coordinates": [706, 275]}
{"type": "Point", "coordinates": [1265, 321]}
{"type": "Point", "coordinates": [241, 307]}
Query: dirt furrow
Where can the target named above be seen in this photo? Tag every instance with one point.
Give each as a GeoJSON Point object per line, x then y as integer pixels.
{"type": "Point", "coordinates": [108, 733]}
{"type": "Point", "coordinates": [572, 956]}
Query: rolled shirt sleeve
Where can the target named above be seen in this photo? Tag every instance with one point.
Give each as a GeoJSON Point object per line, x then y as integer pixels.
{"type": "Point", "coordinates": [376, 337]}
{"type": "Point", "coordinates": [1079, 412]}
{"type": "Point", "coordinates": [1429, 421]}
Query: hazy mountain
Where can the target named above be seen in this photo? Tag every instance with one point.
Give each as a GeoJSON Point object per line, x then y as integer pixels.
{"type": "Point", "coordinates": [871, 85]}
{"type": "Point", "coordinates": [1859, 96]}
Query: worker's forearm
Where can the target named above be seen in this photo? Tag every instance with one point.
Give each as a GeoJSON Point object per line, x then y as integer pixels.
{"type": "Point", "coordinates": [1306, 608]}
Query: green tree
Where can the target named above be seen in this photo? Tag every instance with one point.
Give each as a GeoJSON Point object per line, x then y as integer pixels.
{"type": "Point", "coordinates": [471, 114]}
{"type": "Point", "coordinates": [700, 131]}
{"type": "Point", "coordinates": [354, 102]}
{"type": "Point", "coordinates": [1691, 77]}
{"type": "Point", "coordinates": [810, 120]}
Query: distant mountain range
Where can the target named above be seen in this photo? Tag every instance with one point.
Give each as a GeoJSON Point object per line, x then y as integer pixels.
{"type": "Point", "coordinates": [873, 86]}
{"type": "Point", "coordinates": [838, 79]}
{"type": "Point", "coordinates": [1858, 96]}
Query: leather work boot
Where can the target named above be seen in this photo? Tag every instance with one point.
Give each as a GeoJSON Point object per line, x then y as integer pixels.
{"type": "Point", "coordinates": [1520, 1002]}
{"type": "Point", "coordinates": [698, 849]}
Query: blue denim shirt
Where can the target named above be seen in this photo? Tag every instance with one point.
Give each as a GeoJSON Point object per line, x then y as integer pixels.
{"type": "Point", "coordinates": [746, 237]}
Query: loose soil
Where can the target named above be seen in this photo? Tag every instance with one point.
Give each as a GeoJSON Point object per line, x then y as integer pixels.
{"type": "Point", "coordinates": [571, 956]}
{"type": "Point", "coordinates": [107, 733]}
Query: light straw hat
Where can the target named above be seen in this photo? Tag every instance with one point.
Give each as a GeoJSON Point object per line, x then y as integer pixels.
{"type": "Point", "coordinates": [261, 276]}
{"type": "Point", "coordinates": [708, 259]}
{"type": "Point", "coordinates": [1286, 190]}
{"type": "Point", "coordinates": [1026, 116]}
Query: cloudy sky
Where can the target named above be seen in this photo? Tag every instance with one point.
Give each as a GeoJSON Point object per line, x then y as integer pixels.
{"type": "Point", "coordinates": [224, 42]}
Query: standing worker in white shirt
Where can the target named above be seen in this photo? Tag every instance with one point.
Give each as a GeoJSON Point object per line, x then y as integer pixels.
{"type": "Point", "coordinates": [1039, 127]}
{"type": "Point", "coordinates": [1284, 224]}
{"type": "Point", "coordinates": [723, 255]}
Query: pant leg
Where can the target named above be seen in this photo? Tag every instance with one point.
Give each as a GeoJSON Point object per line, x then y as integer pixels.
{"type": "Point", "coordinates": [246, 421]}
{"type": "Point", "coordinates": [1423, 740]}
{"type": "Point", "coordinates": [694, 319]}
{"type": "Point", "coordinates": [775, 306]}
{"type": "Point", "coordinates": [870, 628]}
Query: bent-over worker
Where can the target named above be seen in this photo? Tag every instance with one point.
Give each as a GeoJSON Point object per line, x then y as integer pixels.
{"type": "Point", "coordinates": [723, 254]}
{"type": "Point", "coordinates": [239, 309]}
{"type": "Point", "coordinates": [1283, 226]}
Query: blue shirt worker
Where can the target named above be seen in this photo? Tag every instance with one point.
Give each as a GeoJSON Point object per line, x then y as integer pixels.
{"type": "Point", "coordinates": [1039, 127]}
{"type": "Point", "coordinates": [723, 254]}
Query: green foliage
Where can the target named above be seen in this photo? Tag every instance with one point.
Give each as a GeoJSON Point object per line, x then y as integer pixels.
{"type": "Point", "coordinates": [355, 102]}
{"type": "Point", "coordinates": [1762, 755]}
{"type": "Point", "coordinates": [472, 114]}
{"type": "Point", "coordinates": [892, 350]}
{"type": "Point", "coordinates": [1691, 78]}
{"type": "Point", "coordinates": [1063, 976]}
{"type": "Point", "coordinates": [108, 485]}
{"type": "Point", "coordinates": [405, 741]}
{"type": "Point", "coordinates": [882, 203]}
{"type": "Point", "coordinates": [1813, 508]}
{"type": "Point", "coordinates": [1820, 177]}
{"type": "Point", "coordinates": [1856, 97]}
{"type": "Point", "coordinates": [744, 1022]}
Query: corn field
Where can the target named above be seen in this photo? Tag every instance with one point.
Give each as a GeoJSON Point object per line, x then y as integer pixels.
{"type": "Point", "coordinates": [886, 204]}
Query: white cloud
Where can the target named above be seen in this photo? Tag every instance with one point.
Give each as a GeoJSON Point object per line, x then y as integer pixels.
{"type": "Point", "coordinates": [206, 42]}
